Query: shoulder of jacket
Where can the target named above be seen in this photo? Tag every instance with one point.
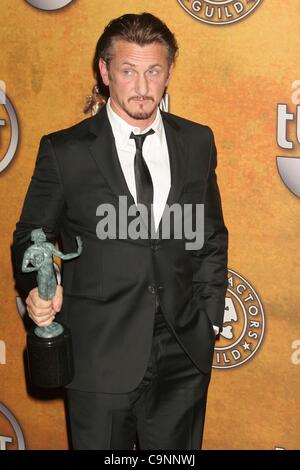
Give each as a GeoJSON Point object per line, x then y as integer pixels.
{"type": "Point", "coordinates": [76, 131]}
{"type": "Point", "coordinates": [185, 124]}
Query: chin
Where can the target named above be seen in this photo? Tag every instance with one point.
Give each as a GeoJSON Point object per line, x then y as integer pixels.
{"type": "Point", "coordinates": [138, 113]}
{"type": "Point", "coordinates": [140, 116]}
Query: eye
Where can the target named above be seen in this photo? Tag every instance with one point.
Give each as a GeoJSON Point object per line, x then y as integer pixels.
{"type": "Point", "coordinates": [153, 72]}
{"type": "Point", "coordinates": [128, 72]}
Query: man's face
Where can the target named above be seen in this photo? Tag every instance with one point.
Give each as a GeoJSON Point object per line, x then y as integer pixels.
{"type": "Point", "coordinates": [136, 77]}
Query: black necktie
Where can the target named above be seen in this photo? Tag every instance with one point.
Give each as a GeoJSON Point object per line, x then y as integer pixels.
{"type": "Point", "coordinates": [143, 181]}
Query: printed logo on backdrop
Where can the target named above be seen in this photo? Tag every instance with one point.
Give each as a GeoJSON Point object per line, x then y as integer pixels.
{"type": "Point", "coordinates": [164, 105]}
{"type": "Point", "coordinates": [9, 129]}
{"type": "Point", "coordinates": [288, 137]}
{"type": "Point", "coordinates": [11, 435]}
{"type": "Point", "coordinates": [2, 352]}
{"type": "Point", "coordinates": [219, 12]}
{"type": "Point", "coordinates": [295, 356]}
{"type": "Point", "coordinates": [244, 324]}
{"type": "Point", "coordinates": [49, 4]}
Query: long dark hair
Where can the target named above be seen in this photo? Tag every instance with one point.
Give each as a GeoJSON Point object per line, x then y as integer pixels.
{"type": "Point", "coordinates": [139, 29]}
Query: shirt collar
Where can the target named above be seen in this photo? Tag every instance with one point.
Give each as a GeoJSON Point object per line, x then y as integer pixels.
{"type": "Point", "coordinates": [122, 130]}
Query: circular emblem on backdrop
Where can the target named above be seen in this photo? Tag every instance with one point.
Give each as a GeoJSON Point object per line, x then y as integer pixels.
{"type": "Point", "coordinates": [219, 12]}
{"type": "Point", "coordinates": [244, 324]}
{"type": "Point", "coordinates": [49, 4]}
{"type": "Point", "coordinates": [11, 437]}
{"type": "Point", "coordinates": [9, 130]}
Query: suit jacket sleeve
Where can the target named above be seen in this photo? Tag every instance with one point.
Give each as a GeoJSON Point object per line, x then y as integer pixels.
{"type": "Point", "coordinates": [43, 207]}
{"type": "Point", "coordinates": [210, 262]}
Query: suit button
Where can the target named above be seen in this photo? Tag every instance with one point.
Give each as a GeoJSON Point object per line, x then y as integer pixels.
{"type": "Point", "coordinates": [151, 289]}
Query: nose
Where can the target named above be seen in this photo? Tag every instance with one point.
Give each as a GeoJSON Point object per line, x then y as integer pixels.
{"type": "Point", "coordinates": [141, 85]}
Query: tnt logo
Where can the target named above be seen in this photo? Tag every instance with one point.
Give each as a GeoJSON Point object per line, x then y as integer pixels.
{"type": "Point", "coordinates": [288, 137]}
{"type": "Point", "coordinates": [49, 4]}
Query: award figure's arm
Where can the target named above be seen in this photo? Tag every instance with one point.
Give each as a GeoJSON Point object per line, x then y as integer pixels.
{"type": "Point", "coordinates": [69, 255]}
{"type": "Point", "coordinates": [44, 207]}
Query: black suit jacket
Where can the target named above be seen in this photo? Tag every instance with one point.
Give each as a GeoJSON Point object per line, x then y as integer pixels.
{"type": "Point", "coordinates": [110, 290]}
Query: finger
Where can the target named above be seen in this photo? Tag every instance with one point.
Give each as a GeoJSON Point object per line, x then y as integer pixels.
{"type": "Point", "coordinates": [58, 299]}
{"type": "Point", "coordinates": [45, 322]}
{"type": "Point", "coordinates": [41, 320]}
{"type": "Point", "coordinates": [33, 313]}
{"type": "Point", "coordinates": [34, 302]}
{"type": "Point", "coordinates": [39, 312]}
{"type": "Point", "coordinates": [32, 294]}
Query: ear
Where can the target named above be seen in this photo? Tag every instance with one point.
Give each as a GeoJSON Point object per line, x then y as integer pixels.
{"type": "Point", "coordinates": [170, 73]}
{"type": "Point", "coordinates": [103, 71]}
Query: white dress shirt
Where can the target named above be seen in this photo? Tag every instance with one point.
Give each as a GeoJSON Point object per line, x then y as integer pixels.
{"type": "Point", "coordinates": [155, 153]}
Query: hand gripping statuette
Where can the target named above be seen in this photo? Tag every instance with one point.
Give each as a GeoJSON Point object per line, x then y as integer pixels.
{"type": "Point", "coordinates": [49, 348]}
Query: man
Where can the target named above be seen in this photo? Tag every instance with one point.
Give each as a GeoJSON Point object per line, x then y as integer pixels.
{"type": "Point", "coordinates": [143, 312]}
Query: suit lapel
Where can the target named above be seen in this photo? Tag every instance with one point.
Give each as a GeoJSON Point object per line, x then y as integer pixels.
{"type": "Point", "coordinates": [104, 152]}
{"type": "Point", "coordinates": [177, 149]}
{"type": "Point", "coordinates": [103, 149]}
{"type": "Point", "coordinates": [178, 154]}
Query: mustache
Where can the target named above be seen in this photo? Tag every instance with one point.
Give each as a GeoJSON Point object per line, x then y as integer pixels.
{"type": "Point", "coordinates": [143, 97]}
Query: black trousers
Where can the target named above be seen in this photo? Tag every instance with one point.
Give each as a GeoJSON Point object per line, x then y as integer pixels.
{"type": "Point", "coordinates": [165, 411]}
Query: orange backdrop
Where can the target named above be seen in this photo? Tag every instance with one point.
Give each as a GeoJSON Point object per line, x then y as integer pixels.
{"type": "Point", "coordinates": [230, 77]}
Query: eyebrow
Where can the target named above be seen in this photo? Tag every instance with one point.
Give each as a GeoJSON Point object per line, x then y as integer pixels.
{"type": "Point", "coordinates": [150, 66]}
